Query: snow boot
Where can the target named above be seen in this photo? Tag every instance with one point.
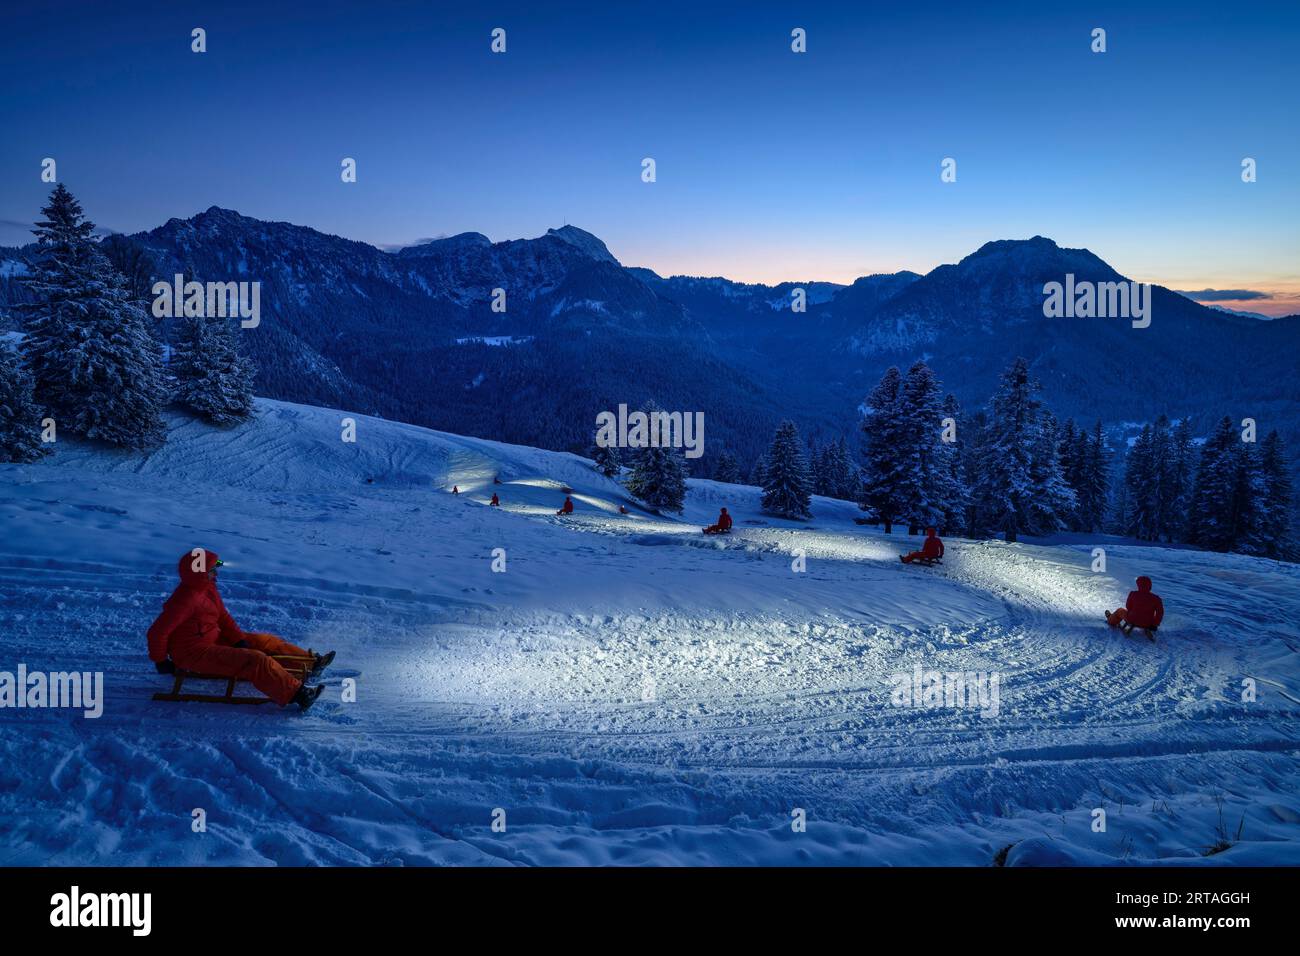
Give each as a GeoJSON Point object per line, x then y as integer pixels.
{"type": "Point", "coordinates": [322, 661]}
{"type": "Point", "coordinates": [306, 696]}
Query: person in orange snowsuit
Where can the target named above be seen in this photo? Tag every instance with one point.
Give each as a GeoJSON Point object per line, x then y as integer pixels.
{"type": "Point", "coordinates": [932, 549]}
{"type": "Point", "coordinates": [723, 524]}
{"type": "Point", "coordinates": [195, 632]}
{"type": "Point", "coordinates": [568, 506]}
{"type": "Point", "coordinates": [455, 489]}
{"type": "Point", "coordinates": [1142, 609]}
{"type": "Point", "coordinates": [495, 500]}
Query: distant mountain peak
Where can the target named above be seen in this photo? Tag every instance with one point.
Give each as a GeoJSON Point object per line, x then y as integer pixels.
{"type": "Point", "coordinates": [585, 241]}
{"type": "Point", "coordinates": [1039, 245]}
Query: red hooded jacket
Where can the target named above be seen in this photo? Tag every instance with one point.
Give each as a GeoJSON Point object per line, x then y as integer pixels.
{"type": "Point", "coordinates": [724, 520]}
{"type": "Point", "coordinates": [193, 616]}
{"type": "Point", "coordinates": [933, 547]}
{"type": "Point", "coordinates": [1144, 609]}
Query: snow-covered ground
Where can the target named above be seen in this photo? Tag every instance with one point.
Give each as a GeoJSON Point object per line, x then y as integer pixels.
{"type": "Point", "coordinates": [627, 690]}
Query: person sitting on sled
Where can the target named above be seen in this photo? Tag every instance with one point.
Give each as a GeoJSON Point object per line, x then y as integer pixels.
{"type": "Point", "coordinates": [495, 500]}
{"type": "Point", "coordinates": [622, 510]}
{"type": "Point", "coordinates": [568, 506]}
{"type": "Point", "coordinates": [195, 632]}
{"type": "Point", "coordinates": [1142, 609]}
{"type": "Point", "coordinates": [932, 550]}
{"type": "Point", "coordinates": [723, 525]}
{"type": "Point", "coordinates": [455, 489]}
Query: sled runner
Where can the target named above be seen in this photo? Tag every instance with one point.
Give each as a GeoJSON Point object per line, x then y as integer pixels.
{"type": "Point", "coordinates": [298, 666]}
{"type": "Point", "coordinates": [711, 530]}
{"type": "Point", "coordinates": [928, 562]}
{"type": "Point", "coordinates": [1127, 629]}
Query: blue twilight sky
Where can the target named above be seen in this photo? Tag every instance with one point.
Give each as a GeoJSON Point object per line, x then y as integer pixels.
{"type": "Point", "coordinates": [771, 165]}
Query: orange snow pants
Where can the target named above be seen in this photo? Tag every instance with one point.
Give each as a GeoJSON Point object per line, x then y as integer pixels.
{"type": "Point", "coordinates": [249, 663]}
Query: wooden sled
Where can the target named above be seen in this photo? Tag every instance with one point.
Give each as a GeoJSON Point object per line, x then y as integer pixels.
{"type": "Point", "coordinates": [297, 665]}
{"type": "Point", "coordinates": [928, 562]}
{"type": "Point", "coordinates": [1128, 629]}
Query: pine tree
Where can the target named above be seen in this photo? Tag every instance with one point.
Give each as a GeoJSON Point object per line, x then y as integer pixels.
{"type": "Point", "coordinates": [1141, 485]}
{"type": "Point", "coordinates": [606, 459]}
{"type": "Point", "coordinates": [1278, 517]}
{"type": "Point", "coordinates": [1095, 479]}
{"type": "Point", "coordinates": [1250, 503]}
{"type": "Point", "coordinates": [1215, 496]}
{"type": "Point", "coordinates": [1052, 501]}
{"type": "Point", "coordinates": [925, 477]}
{"type": "Point", "coordinates": [89, 346]}
{"type": "Point", "coordinates": [955, 493]}
{"type": "Point", "coordinates": [884, 471]}
{"type": "Point", "coordinates": [212, 379]}
{"type": "Point", "coordinates": [1176, 483]}
{"type": "Point", "coordinates": [816, 458]}
{"type": "Point", "coordinates": [20, 417]}
{"type": "Point", "coordinates": [1013, 433]}
{"type": "Point", "coordinates": [134, 263]}
{"type": "Point", "coordinates": [728, 469]}
{"type": "Point", "coordinates": [786, 485]}
{"type": "Point", "coordinates": [840, 473]}
{"type": "Point", "coordinates": [658, 475]}
{"type": "Point", "coordinates": [976, 470]}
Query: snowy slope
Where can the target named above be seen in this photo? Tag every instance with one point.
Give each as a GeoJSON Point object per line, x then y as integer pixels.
{"type": "Point", "coordinates": [769, 690]}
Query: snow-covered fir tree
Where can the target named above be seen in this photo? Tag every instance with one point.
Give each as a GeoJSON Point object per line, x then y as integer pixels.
{"type": "Point", "coordinates": [1250, 503]}
{"type": "Point", "coordinates": [927, 489]}
{"type": "Point", "coordinates": [816, 458]}
{"type": "Point", "coordinates": [658, 475]}
{"type": "Point", "coordinates": [839, 472]}
{"type": "Point", "coordinates": [885, 473]}
{"type": "Point", "coordinates": [212, 379]}
{"type": "Point", "coordinates": [606, 458]}
{"type": "Point", "coordinates": [975, 455]}
{"type": "Point", "coordinates": [1278, 518]}
{"type": "Point", "coordinates": [1215, 495]}
{"type": "Point", "coordinates": [1093, 490]}
{"type": "Point", "coordinates": [1013, 433]}
{"type": "Point", "coordinates": [89, 345]}
{"type": "Point", "coordinates": [1053, 501]}
{"type": "Point", "coordinates": [955, 493]}
{"type": "Point", "coordinates": [727, 468]}
{"type": "Point", "coordinates": [20, 416]}
{"type": "Point", "coordinates": [786, 488]}
{"type": "Point", "coordinates": [1142, 487]}
{"type": "Point", "coordinates": [1176, 485]}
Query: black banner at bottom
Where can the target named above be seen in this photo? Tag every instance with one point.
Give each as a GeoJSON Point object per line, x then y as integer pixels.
{"type": "Point", "coordinates": [281, 905]}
